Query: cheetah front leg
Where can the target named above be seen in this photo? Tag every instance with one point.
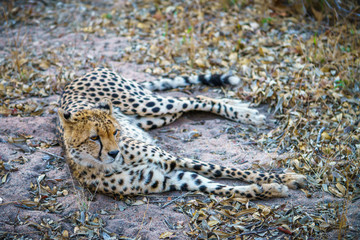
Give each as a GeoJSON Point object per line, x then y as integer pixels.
{"type": "Point", "coordinates": [185, 174]}
{"type": "Point", "coordinates": [191, 181]}
{"type": "Point", "coordinates": [293, 181]}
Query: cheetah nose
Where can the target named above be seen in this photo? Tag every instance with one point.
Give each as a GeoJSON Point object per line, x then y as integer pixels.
{"type": "Point", "coordinates": [113, 153]}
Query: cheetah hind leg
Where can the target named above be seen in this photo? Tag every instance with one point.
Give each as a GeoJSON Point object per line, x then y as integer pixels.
{"type": "Point", "coordinates": [152, 122]}
{"type": "Point", "coordinates": [238, 111]}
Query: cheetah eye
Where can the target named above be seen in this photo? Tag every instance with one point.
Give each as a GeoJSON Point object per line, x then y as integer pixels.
{"type": "Point", "coordinates": [116, 132]}
{"type": "Point", "coordinates": [94, 138]}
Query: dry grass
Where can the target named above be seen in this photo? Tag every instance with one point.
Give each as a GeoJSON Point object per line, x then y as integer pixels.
{"type": "Point", "coordinates": [305, 71]}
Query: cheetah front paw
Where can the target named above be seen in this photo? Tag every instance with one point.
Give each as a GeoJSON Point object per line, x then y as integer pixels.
{"type": "Point", "coordinates": [275, 190]}
{"type": "Point", "coordinates": [294, 181]}
{"type": "Point", "coordinates": [269, 190]}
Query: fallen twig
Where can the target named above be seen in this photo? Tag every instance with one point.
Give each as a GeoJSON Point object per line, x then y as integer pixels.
{"type": "Point", "coordinates": [175, 199]}
{"type": "Point", "coordinates": [52, 154]}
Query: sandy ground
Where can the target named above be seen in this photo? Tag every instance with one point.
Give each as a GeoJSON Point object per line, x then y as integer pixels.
{"type": "Point", "coordinates": [219, 143]}
{"type": "Point", "coordinates": [146, 220]}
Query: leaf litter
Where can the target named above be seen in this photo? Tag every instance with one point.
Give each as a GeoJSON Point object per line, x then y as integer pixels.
{"type": "Point", "coordinates": [306, 73]}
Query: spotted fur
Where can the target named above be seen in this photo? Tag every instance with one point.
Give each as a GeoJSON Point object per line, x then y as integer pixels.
{"type": "Point", "coordinates": [182, 81]}
{"type": "Point", "coordinates": [102, 120]}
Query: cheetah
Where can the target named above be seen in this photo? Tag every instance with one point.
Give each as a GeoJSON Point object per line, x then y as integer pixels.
{"type": "Point", "coordinates": [102, 118]}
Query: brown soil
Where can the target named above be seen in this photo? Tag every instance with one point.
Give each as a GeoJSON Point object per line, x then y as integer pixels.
{"type": "Point", "coordinates": [147, 220]}
{"type": "Point", "coordinates": [217, 144]}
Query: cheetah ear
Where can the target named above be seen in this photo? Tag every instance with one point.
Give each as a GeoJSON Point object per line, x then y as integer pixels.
{"type": "Point", "coordinates": [65, 116]}
{"type": "Point", "coordinates": [105, 105]}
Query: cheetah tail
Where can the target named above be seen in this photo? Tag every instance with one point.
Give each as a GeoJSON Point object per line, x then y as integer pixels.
{"type": "Point", "coordinates": [182, 81]}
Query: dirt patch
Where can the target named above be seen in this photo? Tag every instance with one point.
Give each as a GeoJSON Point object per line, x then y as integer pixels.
{"type": "Point", "coordinates": [45, 44]}
{"type": "Point", "coordinates": [218, 144]}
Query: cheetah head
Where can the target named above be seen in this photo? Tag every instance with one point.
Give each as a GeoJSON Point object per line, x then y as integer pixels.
{"type": "Point", "coordinates": [91, 136]}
